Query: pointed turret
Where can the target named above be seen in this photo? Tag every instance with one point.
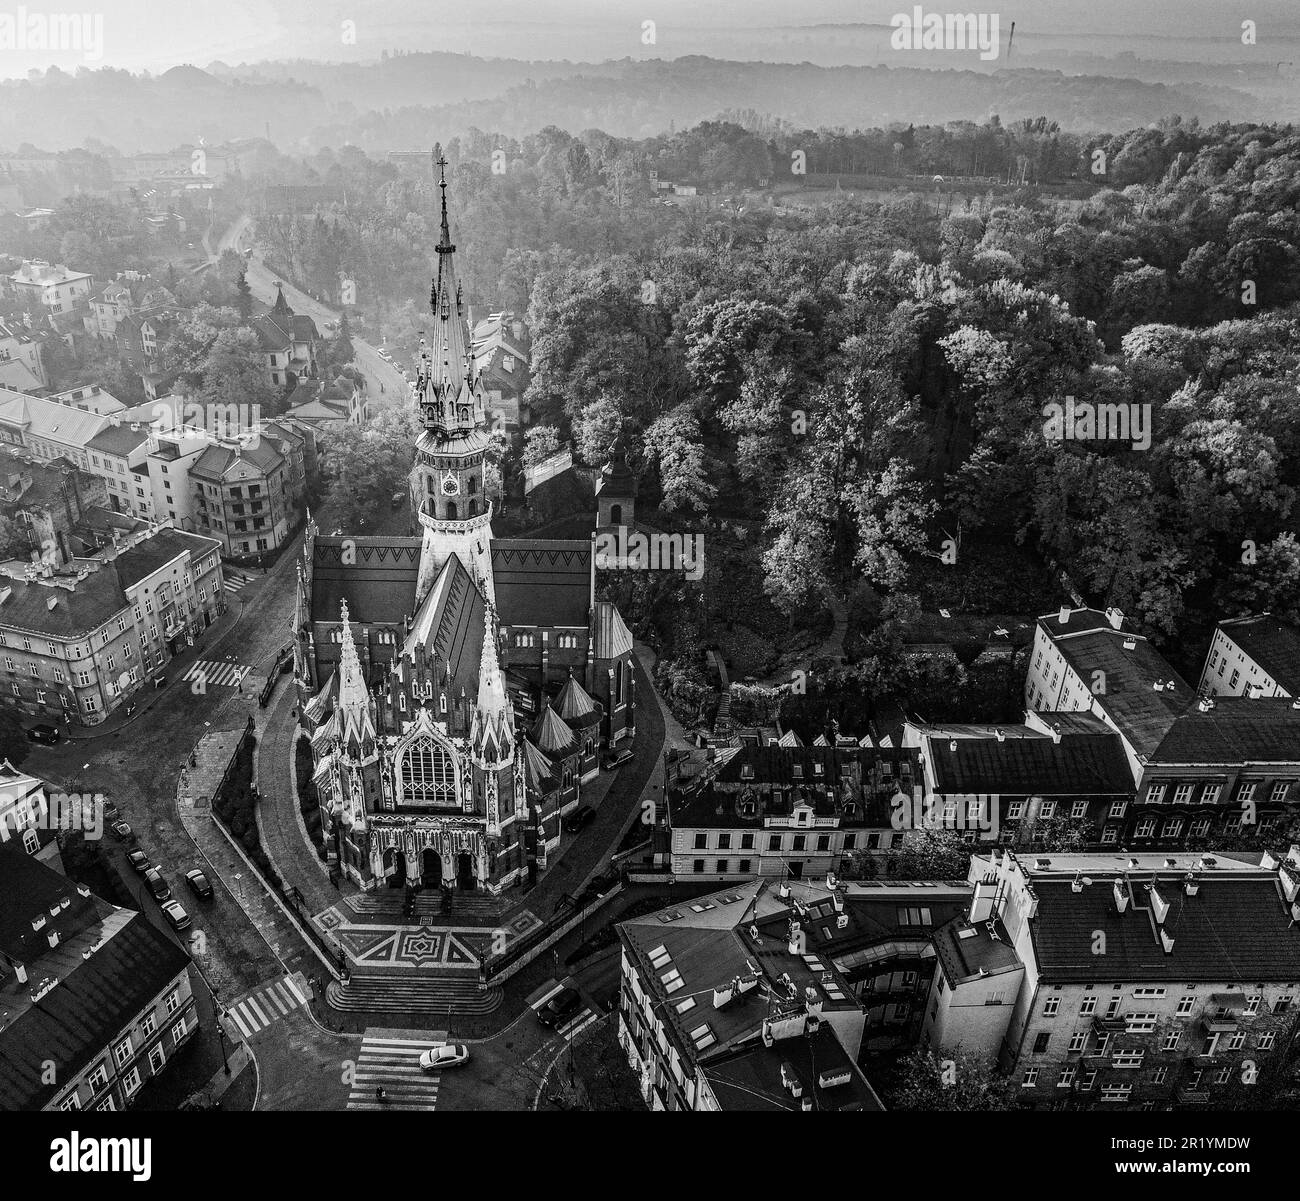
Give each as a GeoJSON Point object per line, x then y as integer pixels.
{"type": "Point", "coordinates": [356, 727]}
{"type": "Point", "coordinates": [281, 307]}
{"type": "Point", "coordinates": [552, 735]}
{"type": "Point", "coordinates": [493, 730]}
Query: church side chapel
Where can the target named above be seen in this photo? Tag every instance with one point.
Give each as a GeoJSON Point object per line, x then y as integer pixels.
{"type": "Point", "coordinates": [458, 688]}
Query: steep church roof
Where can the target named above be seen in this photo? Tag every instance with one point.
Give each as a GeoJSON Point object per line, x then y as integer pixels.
{"type": "Point", "coordinates": [537, 770]}
{"type": "Point", "coordinates": [575, 706]}
{"type": "Point", "coordinates": [552, 735]}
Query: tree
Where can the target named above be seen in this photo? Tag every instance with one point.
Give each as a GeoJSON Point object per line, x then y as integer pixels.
{"type": "Point", "coordinates": [540, 442]}
{"type": "Point", "coordinates": [929, 855]}
{"type": "Point", "coordinates": [234, 374]}
{"type": "Point", "coordinates": [952, 1081]}
{"type": "Point", "coordinates": [596, 428]}
{"type": "Point", "coordinates": [673, 445]}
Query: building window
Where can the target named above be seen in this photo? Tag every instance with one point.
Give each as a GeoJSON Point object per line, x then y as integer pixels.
{"type": "Point", "coordinates": [156, 1058]}
{"type": "Point", "coordinates": [1160, 1076]}
{"type": "Point", "coordinates": [1280, 790]}
{"type": "Point", "coordinates": [173, 1002]}
{"type": "Point", "coordinates": [1185, 1004]}
{"type": "Point", "coordinates": [1265, 1041]}
{"type": "Point", "coordinates": [724, 866]}
{"type": "Point", "coordinates": [1171, 828]}
{"type": "Point", "coordinates": [1015, 810]}
{"type": "Point", "coordinates": [1030, 1078]}
{"type": "Point", "coordinates": [1040, 1042]}
{"type": "Point", "coordinates": [1183, 794]}
{"type": "Point", "coordinates": [1246, 792]}
{"type": "Point", "coordinates": [131, 1081]}
{"type": "Point", "coordinates": [701, 840]}
{"type": "Point", "coordinates": [1051, 1007]}
{"type": "Point", "coordinates": [1211, 794]}
{"type": "Point", "coordinates": [122, 1052]}
{"type": "Point", "coordinates": [1088, 1005]}
{"type": "Point", "coordinates": [1282, 1004]}
{"type": "Point", "coordinates": [1078, 1040]}
{"type": "Point", "coordinates": [1155, 794]}
{"type": "Point", "coordinates": [1116, 1092]}
{"type": "Point", "coordinates": [72, 1101]}
{"type": "Point", "coordinates": [1145, 828]}
{"type": "Point", "coordinates": [699, 867]}
{"type": "Point", "coordinates": [1252, 1005]}
{"type": "Point", "coordinates": [1047, 809]}
{"type": "Point", "coordinates": [98, 1078]}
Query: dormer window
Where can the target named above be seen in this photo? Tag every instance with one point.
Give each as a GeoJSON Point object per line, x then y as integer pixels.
{"type": "Point", "coordinates": [746, 771]}
{"type": "Point", "coordinates": [817, 769]}
{"type": "Point", "coordinates": [797, 771]}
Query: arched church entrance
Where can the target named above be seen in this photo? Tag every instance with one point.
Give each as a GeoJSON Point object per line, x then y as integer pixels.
{"type": "Point", "coordinates": [465, 870]}
{"type": "Point", "coordinates": [397, 879]}
{"type": "Point", "coordinates": [431, 868]}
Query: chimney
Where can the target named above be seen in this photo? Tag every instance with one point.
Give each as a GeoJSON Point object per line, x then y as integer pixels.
{"type": "Point", "coordinates": [1056, 732]}
{"type": "Point", "coordinates": [517, 330]}
{"type": "Point", "coordinates": [1063, 617]}
{"type": "Point", "coordinates": [795, 946]}
{"type": "Point", "coordinates": [1121, 894]}
{"type": "Point", "coordinates": [1000, 735]}
{"type": "Point", "coordinates": [1159, 906]}
{"type": "Point", "coordinates": [1191, 886]}
{"type": "Point", "coordinates": [982, 899]}
{"type": "Point", "coordinates": [1115, 617]}
{"type": "Point", "coordinates": [1166, 941]}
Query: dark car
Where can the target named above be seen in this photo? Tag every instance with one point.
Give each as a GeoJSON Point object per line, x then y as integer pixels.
{"type": "Point", "coordinates": [162, 891]}
{"type": "Point", "coordinates": [122, 832]}
{"type": "Point", "coordinates": [616, 758]}
{"type": "Point", "coordinates": [138, 860]}
{"type": "Point", "coordinates": [111, 813]}
{"type": "Point", "coordinates": [581, 817]}
{"type": "Point", "coordinates": [46, 734]}
{"type": "Point", "coordinates": [199, 883]}
{"type": "Point", "coordinates": [564, 1004]}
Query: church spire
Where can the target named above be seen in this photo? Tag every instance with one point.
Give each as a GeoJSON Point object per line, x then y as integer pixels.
{"type": "Point", "coordinates": [445, 244]}
{"type": "Point", "coordinates": [356, 727]}
{"type": "Point", "coordinates": [493, 716]}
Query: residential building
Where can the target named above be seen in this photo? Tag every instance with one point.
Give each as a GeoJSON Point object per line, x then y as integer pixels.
{"type": "Point", "coordinates": [327, 406]}
{"type": "Point", "coordinates": [723, 990]}
{"type": "Point", "coordinates": [22, 368]}
{"type": "Point", "coordinates": [78, 643]}
{"type": "Point", "coordinates": [118, 454]}
{"type": "Point", "coordinates": [90, 398]}
{"type": "Point", "coordinates": [1083, 660]}
{"type": "Point", "coordinates": [50, 285]}
{"type": "Point", "coordinates": [1146, 981]}
{"type": "Point", "coordinates": [1254, 657]}
{"type": "Point", "coordinates": [129, 295]}
{"type": "Point", "coordinates": [139, 337]}
{"type": "Point", "coordinates": [501, 346]}
{"type": "Point", "coordinates": [790, 812]}
{"type": "Point", "coordinates": [291, 343]}
{"type": "Point", "coordinates": [1004, 785]}
{"type": "Point", "coordinates": [242, 496]}
{"type": "Point", "coordinates": [1228, 768]}
{"type": "Point", "coordinates": [24, 816]}
{"type": "Point", "coordinates": [48, 501]}
{"type": "Point", "coordinates": [47, 429]}
{"type": "Point", "coordinates": [94, 1000]}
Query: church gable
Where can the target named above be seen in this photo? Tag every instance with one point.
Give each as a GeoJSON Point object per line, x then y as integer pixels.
{"type": "Point", "coordinates": [540, 583]}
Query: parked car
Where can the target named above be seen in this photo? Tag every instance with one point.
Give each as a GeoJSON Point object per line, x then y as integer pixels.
{"type": "Point", "coordinates": [43, 733]}
{"type": "Point", "coordinates": [138, 860]}
{"type": "Point", "coordinates": [563, 1005]}
{"type": "Point", "coordinates": [162, 891]}
{"type": "Point", "coordinates": [444, 1055]}
{"type": "Point", "coordinates": [111, 813]}
{"type": "Point", "coordinates": [199, 883]}
{"type": "Point", "coordinates": [122, 832]}
{"type": "Point", "coordinates": [174, 913]}
{"type": "Point", "coordinates": [579, 819]}
{"type": "Point", "coordinates": [615, 759]}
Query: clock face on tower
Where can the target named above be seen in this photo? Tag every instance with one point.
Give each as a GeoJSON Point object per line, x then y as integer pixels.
{"type": "Point", "coordinates": [450, 485]}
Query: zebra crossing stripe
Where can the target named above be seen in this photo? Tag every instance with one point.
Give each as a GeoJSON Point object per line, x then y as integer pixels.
{"type": "Point", "coordinates": [234, 1016]}
{"type": "Point", "coordinates": [257, 1009]}
{"type": "Point", "coordinates": [214, 674]}
{"type": "Point", "coordinates": [574, 1031]}
{"type": "Point", "coordinates": [273, 998]}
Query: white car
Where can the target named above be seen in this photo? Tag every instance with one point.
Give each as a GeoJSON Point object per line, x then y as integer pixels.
{"type": "Point", "coordinates": [444, 1055]}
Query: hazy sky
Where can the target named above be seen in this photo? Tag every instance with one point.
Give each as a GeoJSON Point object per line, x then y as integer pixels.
{"type": "Point", "coordinates": [157, 34]}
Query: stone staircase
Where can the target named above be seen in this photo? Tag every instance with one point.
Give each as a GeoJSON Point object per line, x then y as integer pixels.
{"type": "Point", "coordinates": [391, 993]}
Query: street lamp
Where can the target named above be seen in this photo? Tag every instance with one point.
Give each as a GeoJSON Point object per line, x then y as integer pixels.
{"type": "Point", "coordinates": [221, 1035]}
{"type": "Point", "coordinates": [239, 879]}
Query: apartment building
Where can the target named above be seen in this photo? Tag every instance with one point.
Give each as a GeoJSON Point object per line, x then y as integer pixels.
{"type": "Point", "coordinates": [24, 810]}
{"type": "Point", "coordinates": [50, 285]}
{"type": "Point", "coordinates": [291, 343]}
{"type": "Point", "coordinates": [1147, 981]}
{"type": "Point", "coordinates": [89, 398]}
{"type": "Point", "coordinates": [130, 294]}
{"type": "Point", "coordinates": [790, 812]}
{"type": "Point", "coordinates": [46, 429]}
{"type": "Point", "coordinates": [94, 1000]}
{"type": "Point", "coordinates": [47, 501]}
{"type": "Point", "coordinates": [242, 496]}
{"type": "Point", "coordinates": [722, 1006]}
{"type": "Point", "coordinates": [76, 644]}
{"type": "Point", "coordinates": [117, 453]}
{"type": "Point", "coordinates": [1009, 785]}
{"type": "Point", "coordinates": [22, 367]}
{"type": "Point", "coordinates": [1228, 767]}
{"type": "Point", "coordinates": [1253, 657]}
{"type": "Point", "coordinates": [1083, 660]}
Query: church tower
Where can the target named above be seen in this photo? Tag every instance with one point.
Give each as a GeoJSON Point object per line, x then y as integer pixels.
{"type": "Point", "coordinates": [447, 478]}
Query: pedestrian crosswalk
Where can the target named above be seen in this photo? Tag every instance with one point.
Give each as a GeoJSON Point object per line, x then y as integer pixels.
{"type": "Point", "coordinates": [235, 580]}
{"type": "Point", "coordinates": [573, 1025]}
{"type": "Point", "coordinates": [393, 1064]}
{"type": "Point", "coordinates": [224, 674]}
{"type": "Point", "coordinates": [265, 1005]}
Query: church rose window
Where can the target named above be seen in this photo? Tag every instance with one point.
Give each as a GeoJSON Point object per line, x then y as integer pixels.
{"type": "Point", "coordinates": [427, 773]}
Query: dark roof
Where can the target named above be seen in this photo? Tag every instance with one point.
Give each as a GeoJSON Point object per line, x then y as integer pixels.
{"type": "Point", "coordinates": [1028, 762]}
{"type": "Point", "coordinates": [541, 583]}
{"type": "Point", "coordinates": [1140, 712]}
{"type": "Point", "coordinates": [753, 1078]}
{"type": "Point", "coordinates": [94, 998]}
{"type": "Point", "coordinates": [451, 625]}
{"type": "Point", "coordinates": [77, 611]}
{"type": "Point", "coordinates": [776, 764]}
{"type": "Point", "coordinates": [1235, 730]}
{"type": "Point", "coordinates": [1273, 644]}
{"type": "Point", "coordinates": [967, 950]}
{"type": "Point", "coordinates": [379, 587]}
{"type": "Point", "coordinates": [1232, 930]}
{"type": "Point", "coordinates": [159, 549]}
